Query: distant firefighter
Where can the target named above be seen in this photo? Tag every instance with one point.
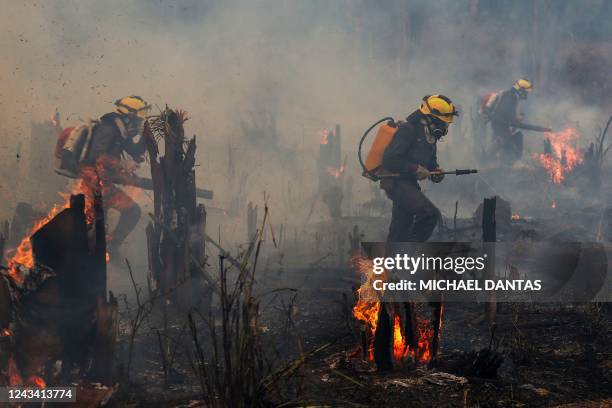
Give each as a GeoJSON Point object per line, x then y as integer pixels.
{"type": "Point", "coordinates": [501, 109]}
{"type": "Point", "coordinates": [412, 152]}
{"type": "Point", "coordinates": [95, 153]}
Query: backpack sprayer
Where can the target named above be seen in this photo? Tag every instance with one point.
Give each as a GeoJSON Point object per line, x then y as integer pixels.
{"type": "Point", "coordinates": [372, 168]}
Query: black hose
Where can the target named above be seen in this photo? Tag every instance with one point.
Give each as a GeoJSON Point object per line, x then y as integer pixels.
{"type": "Point", "coordinates": [366, 172]}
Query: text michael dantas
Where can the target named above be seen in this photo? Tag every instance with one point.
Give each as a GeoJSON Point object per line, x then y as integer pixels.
{"type": "Point", "coordinates": [458, 265]}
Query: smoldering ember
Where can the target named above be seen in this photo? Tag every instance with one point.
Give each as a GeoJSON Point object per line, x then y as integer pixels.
{"type": "Point", "coordinates": [197, 199]}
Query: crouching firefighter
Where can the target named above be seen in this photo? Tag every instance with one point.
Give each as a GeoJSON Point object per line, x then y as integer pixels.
{"type": "Point", "coordinates": [403, 154]}
{"type": "Point", "coordinates": [95, 153]}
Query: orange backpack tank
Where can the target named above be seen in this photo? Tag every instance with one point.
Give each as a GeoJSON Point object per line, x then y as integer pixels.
{"type": "Point", "coordinates": [373, 163]}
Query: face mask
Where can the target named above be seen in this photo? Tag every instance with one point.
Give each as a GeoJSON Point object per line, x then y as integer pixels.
{"type": "Point", "coordinates": [437, 128]}
{"type": "Point", "coordinates": [134, 124]}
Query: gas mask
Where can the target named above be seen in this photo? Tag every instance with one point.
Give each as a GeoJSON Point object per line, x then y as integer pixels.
{"type": "Point", "coordinates": [437, 128]}
{"type": "Point", "coordinates": [134, 125]}
{"type": "Point", "coordinates": [522, 93]}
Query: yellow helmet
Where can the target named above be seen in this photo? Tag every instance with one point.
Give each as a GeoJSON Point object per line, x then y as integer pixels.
{"type": "Point", "coordinates": [523, 83]}
{"type": "Point", "coordinates": [439, 106]}
{"type": "Point", "coordinates": [134, 105]}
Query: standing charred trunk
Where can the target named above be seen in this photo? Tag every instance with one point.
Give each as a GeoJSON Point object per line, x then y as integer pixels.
{"type": "Point", "coordinates": [176, 238]}
{"type": "Point", "coordinates": [382, 341]}
{"type": "Point", "coordinates": [63, 313]}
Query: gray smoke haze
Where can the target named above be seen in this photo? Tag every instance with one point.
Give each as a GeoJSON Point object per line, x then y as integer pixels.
{"type": "Point", "coordinates": [307, 64]}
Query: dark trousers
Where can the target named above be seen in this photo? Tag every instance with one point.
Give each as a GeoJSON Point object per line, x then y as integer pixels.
{"type": "Point", "coordinates": [413, 217]}
{"type": "Point", "coordinates": [508, 144]}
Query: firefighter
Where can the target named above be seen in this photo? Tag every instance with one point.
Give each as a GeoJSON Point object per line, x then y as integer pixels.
{"type": "Point", "coordinates": [412, 153]}
{"type": "Point", "coordinates": [501, 109]}
{"type": "Point", "coordinates": [96, 154]}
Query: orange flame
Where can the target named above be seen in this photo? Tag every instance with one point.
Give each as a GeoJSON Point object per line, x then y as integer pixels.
{"type": "Point", "coordinates": [6, 333]}
{"type": "Point", "coordinates": [564, 156]}
{"type": "Point", "coordinates": [15, 378]}
{"type": "Point", "coordinates": [399, 344]}
{"type": "Point", "coordinates": [554, 204]}
{"type": "Point", "coordinates": [401, 349]}
{"type": "Point", "coordinates": [23, 259]}
{"type": "Point", "coordinates": [515, 217]}
{"type": "Point", "coordinates": [423, 351]}
{"type": "Point", "coordinates": [324, 134]}
{"type": "Point", "coordinates": [336, 172]}
{"type": "Point", "coordinates": [367, 309]}
{"type": "Point", "coordinates": [36, 381]}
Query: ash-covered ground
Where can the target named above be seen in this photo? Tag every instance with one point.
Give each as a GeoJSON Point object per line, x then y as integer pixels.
{"type": "Point", "coordinates": [550, 354]}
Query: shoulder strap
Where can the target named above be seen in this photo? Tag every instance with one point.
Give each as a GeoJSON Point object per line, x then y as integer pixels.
{"type": "Point", "coordinates": [121, 126]}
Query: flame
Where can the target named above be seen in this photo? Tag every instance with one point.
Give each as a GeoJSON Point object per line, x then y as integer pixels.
{"type": "Point", "coordinates": [515, 217]}
{"type": "Point", "coordinates": [324, 135]}
{"type": "Point", "coordinates": [23, 258]}
{"type": "Point", "coordinates": [15, 378]}
{"type": "Point", "coordinates": [107, 257]}
{"type": "Point", "coordinates": [92, 178]}
{"type": "Point", "coordinates": [336, 171]}
{"type": "Point", "coordinates": [367, 309]}
{"type": "Point", "coordinates": [554, 204]}
{"type": "Point", "coordinates": [401, 350]}
{"type": "Point", "coordinates": [36, 381]}
{"type": "Point", "coordinates": [6, 333]}
{"type": "Point", "coordinates": [564, 156]}
{"type": "Point", "coordinates": [399, 344]}
{"type": "Point", "coordinates": [423, 351]}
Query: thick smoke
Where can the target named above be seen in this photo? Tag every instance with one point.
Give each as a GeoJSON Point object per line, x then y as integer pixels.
{"type": "Point", "coordinates": [265, 76]}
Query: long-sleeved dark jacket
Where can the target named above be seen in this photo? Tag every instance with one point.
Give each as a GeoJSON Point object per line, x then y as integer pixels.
{"type": "Point", "coordinates": [504, 110]}
{"type": "Point", "coordinates": [108, 139]}
{"type": "Point", "coordinates": [409, 148]}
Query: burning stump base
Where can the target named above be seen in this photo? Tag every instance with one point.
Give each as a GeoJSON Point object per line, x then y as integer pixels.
{"type": "Point", "coordinates": [399, 338]}
{"type": "Point", "coordinates": [392, 333]}
{"type": "Point", "coordinates": [61, 321]}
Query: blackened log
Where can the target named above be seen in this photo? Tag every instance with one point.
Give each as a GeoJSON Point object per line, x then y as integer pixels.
{"type": "Point", "coordinates": [382, 341]}
{"type": "Point", "coordinates": [99, 275]}
{"type": "Point", "coordinates": [410, 325]}
{"type": "Point", "coordinates": [6, 304]}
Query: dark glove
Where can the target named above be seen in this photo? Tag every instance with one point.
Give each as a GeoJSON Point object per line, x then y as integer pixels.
{"type": "Point", "coordinates": [436, 176]}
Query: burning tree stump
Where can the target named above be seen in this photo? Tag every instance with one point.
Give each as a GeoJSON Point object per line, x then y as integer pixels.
{"type": "Point", "coordinates": [176, 237]}
{"type": "Point", "coordinates": [62, 312]}
{"type": "Point", "coordinates": [391, 333]}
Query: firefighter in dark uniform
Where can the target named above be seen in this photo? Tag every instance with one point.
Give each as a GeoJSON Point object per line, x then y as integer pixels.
{"type": "Point", "coordinates": [100, 163]}
{"type": "Point", "coordinates": [112, 138]}
{"type": "Point", "coordinates": [502, 111]}
{"type": "Point", "coordinates": [412, 153]}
